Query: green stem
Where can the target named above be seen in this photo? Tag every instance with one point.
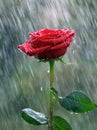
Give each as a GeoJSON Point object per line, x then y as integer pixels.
{"type": "Point", "coordinates": [50, 125]}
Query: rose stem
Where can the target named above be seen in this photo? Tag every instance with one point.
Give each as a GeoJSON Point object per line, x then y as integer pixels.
{"type": "Point", "coordinates": [50, 124]}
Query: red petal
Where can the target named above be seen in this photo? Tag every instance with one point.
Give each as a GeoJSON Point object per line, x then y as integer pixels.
{"type": "Point", "coordinates": [62, 45]}
{"type": "Point", "coordinates": [47, 44]}
{"type": "Point", "coordinates": [26, 47]}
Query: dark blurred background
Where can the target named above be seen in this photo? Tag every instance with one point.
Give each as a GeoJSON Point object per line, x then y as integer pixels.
{"type": "Point", "coordinates": [24, 81]}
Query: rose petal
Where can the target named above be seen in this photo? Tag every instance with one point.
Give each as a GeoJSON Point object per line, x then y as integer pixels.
{"type": "Point", "coordinates": [65, 44]}
{"type": "Point", "coordinates": [56, 40]}
{"type": "Point", "coordinates": [55, 51]}
{"type": "Point", "coordinates": [26, 47]}
{"type": "Point", "coordinates": [51, 54]}
{"type": "Point", "coordinates": [47, 43]}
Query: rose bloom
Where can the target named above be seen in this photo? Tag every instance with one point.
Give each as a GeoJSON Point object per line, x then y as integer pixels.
{"type": "Point", "coordinates": [48, 44]}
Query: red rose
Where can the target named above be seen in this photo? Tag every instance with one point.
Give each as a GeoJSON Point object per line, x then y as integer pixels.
{"type": "Point", "coordinates": [48, 44]}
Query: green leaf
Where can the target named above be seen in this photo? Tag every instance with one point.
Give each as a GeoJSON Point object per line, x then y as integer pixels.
{"type": "Point", "coordinates": [62, 61]}
{"type": "Point", "coordinates": [77, 102]}
{"type": "Point", "coordinates": [60, 124]}
{"type": "Point", "coordinates": [54, 92]}
{"type": "Point", "coordinates": [33, 117]}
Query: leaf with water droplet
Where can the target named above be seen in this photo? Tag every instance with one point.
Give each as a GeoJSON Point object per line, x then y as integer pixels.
{"type": "Point", "coordinates": [34, 117]}
{"type": "Point", "coordinates": [77, 102]}
{"type": "Point", "coordinates": [60, 124]}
